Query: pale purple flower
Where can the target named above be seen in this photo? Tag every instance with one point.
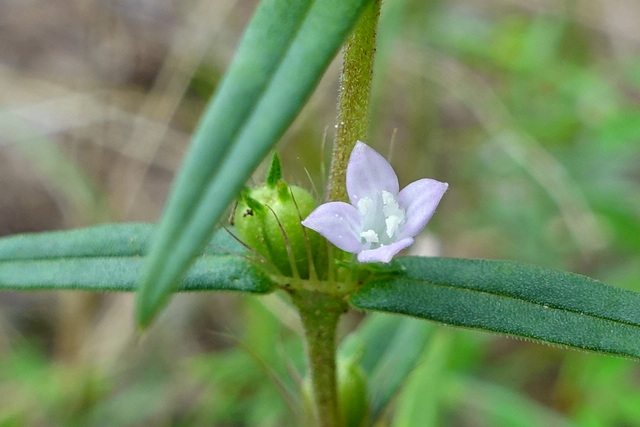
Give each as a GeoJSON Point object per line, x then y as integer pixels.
{"type": "Point", "coordinates": [381, 220]}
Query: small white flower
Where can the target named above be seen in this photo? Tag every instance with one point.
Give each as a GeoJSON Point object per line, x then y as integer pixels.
{"type": "Point", "coordinates": [381, 220]}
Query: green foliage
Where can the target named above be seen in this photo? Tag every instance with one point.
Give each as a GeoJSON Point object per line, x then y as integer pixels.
{"type": "Point", "coordinates": [497, 405]}
{"type": "Point", "coordinates": [257, 381]}
{"type": "Point", "coordinates": [388, 349]}
{"type": "Point", "coordinates": [114, 240]}
{"type": "Point", "coordinates": [284, 52]}
{"type": "Point", "coordinates": [39, 392]}
{"type": "Point", "coordinates": [512, 298]}
{"type": "Point", "coordinates": [352, 393]}
{"type": "Point", "coordinates": [109, 258]}
{"type": "Point", "coordinates": [419, 402]}
{"type": "Point", "coordinates": [482, 97]}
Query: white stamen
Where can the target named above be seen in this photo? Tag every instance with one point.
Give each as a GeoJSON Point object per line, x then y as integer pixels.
{"type": "Point", "coordinates": [392, 222]}
{"type": "Point", "coordinates": [369, 236]}
{"type": "Point", "coordinates": [393, 213]}
{"type": "Point", "coordinates": [390, 206]}
{"type": "Point", "coordinates": [364, 206]}
{"type": "Point", "coordinates": [388, 199]}
{"type": "Point", "coordinates": [381, 218]}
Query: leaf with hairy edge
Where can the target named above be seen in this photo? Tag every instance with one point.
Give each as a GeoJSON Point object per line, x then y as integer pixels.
{"type": "Point", "coordinates": [120, 274]}
{"type": "Point", "coordinates": [284, 52]}
{"type": "Point", "coordinates": [109, 258]}
{"type": "Point", "coordinates": [511, 298]}
{"type": "Point", "coordinates": [111, 240]}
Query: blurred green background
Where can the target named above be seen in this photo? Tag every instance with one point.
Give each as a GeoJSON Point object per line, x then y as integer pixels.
{"type": "Point", "coordinates": [529, 110]}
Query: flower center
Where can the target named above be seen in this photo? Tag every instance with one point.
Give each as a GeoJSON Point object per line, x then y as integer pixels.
{"type": "Point", "coordinates": [381, 219]}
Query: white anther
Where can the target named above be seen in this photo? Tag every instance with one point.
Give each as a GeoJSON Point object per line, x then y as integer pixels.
{"type": "Point", "coordinates": [364, 206]}
{"type": "Point", "coordinates": [369, 236]}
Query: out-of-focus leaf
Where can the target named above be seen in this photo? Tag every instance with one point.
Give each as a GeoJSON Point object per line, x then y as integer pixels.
{"type": "Point", "coordinates": [498, 406]}
{"type": "Point", "coordinates": [511, 298]}
{"type": "Point", "coordinates": [398, 361]}
{"type": "Point", "coordinates": [620, 130]}
{"type": "Point", "coordinates": [418, 403]}
{"type": "Point", "coordinates": [109, 258]}
{"type": "Point", "coordinates": [369, 342]}
{"type": "Point", "coordinates": [284, 52]}
{"type": "Point", "coordinates": [389, 350]}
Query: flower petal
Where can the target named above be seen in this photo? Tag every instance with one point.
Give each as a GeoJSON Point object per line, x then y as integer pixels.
{"type": "Point", "coordinates": [419, 199]}
{"type": "Point", "coordinates": [339, 223]}
{"type": "Point", "coordinates": [368, 173]}
{"type": "Point", "coordinates": [384, 253]}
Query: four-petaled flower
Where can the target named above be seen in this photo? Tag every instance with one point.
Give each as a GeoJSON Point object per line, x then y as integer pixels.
{"type": "Point", "coordinates": [381, 220]}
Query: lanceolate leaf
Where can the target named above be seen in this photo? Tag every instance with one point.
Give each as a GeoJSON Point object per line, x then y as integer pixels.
{"type": "Point", "coordinates": [113, 240]}
{"type": "Point", "coordinates": [286, 48]}
{"type": "Point", "coordinates": [388, 349]}
{"type": "Point", "coordinates": [512, 298]}
{"type": "Point", "coordinates": [109, 258]}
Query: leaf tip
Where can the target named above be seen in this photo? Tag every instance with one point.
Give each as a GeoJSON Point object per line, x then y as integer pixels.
{"type": "Point", "coordinates": [275, 171]}
{"type": "Point", "coordinates": [145, 313]}
{"type": "Point", "coordinates": [149, 301]}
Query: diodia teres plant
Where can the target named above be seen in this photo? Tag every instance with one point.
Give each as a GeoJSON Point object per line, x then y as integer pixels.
{"type": "Point", "coordinates": [322, 259]}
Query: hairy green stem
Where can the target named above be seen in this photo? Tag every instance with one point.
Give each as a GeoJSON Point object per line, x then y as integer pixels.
{"type": "Point", "coordinates": [320, 314]}
{"type": "Point", "coordinates": [355, 93]}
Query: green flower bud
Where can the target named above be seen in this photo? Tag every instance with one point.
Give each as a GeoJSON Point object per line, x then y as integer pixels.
{"type": "Point", "coordinates": [267, 219]}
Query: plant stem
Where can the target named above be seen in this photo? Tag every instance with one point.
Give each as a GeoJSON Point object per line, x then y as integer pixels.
{"type": "Point", "coordinates": [355, 93]}
{"type": "Point", "coordinates": [320, 314]}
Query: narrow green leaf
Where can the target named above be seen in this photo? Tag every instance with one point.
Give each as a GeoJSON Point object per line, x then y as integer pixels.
{"type": "Point", "coordinates": [511, 298]}
{"type": "Point", "coordinates": [419, 401]}
{"type": "Point", "coordinates": [208, 273]}
{"type": "Point", "coordinates": [106, 240]}
{"type": "Point", "coordinates": [388, 348]}
{"type": "Point", "coordinates": [369, 342]}
{"type": "Point", "coordinates": [286, 48]}
{"type": "Point", "coordinates": [109, 258]}
{"type": "Point", "coordinates": [398, 361]}
{"type": "Point", "coordinates": [112, 240]}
